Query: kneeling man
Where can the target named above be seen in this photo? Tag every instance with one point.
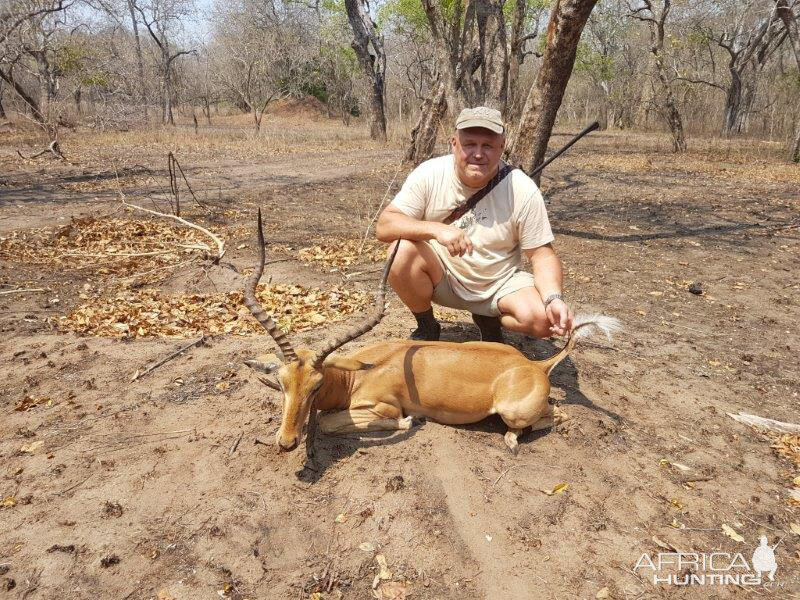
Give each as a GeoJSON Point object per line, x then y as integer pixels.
{"type": "Point", "coordinates": [475, 262]}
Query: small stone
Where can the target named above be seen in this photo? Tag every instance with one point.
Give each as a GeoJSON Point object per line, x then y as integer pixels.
{"type": "Point", "coordinates": [395, 483]}
{"type": "Point", "coordinates": [109, 561]}
{"type": "Point", "coordinates": [696, 288]}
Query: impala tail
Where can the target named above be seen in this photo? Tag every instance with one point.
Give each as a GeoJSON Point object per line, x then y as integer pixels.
{"type": "Point", "coordinates": [582, 326]}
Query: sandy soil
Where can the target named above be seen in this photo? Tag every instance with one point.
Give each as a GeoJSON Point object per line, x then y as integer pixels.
{"type": "Point", "coordinates": [141, 490]}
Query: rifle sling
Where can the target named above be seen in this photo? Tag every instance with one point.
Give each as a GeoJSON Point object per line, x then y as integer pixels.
{"type": "Point", "coordinates": [460, 211]}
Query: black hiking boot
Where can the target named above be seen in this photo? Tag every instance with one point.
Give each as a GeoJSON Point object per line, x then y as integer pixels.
{"type": "Point", "coordinates": [490, 328]}
{"type": "Point", "coordinates": [428, 328]}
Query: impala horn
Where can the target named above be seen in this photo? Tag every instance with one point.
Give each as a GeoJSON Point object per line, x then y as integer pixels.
{"type": "Point", "coordinates": [262, 316]}
{"type": "Point", "coordinates": [368, 323]}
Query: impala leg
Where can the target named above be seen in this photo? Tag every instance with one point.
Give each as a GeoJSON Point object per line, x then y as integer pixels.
{"type": "Point", "coordinates": [359, 420]}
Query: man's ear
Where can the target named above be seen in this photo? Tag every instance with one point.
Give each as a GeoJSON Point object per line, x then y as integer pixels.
{"type": "Point", "coordinates": [345, 364]}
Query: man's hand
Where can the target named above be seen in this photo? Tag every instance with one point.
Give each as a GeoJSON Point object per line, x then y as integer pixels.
{"type": "Point", "coordinates": [560, 317]}
{"type": "Point", "coordinates": [454, 239]}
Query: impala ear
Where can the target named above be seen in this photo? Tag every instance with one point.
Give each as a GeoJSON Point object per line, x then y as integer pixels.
{"type": "Point", "coordinates": [345, 364]}
{"type": "Point", "coordinates": [266, 363]}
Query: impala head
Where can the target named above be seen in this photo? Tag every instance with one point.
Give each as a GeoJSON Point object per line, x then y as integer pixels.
{"type": "Point", "coordinates": [302, 375]}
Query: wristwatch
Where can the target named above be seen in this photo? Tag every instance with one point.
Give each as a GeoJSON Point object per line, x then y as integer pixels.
{"type": "Point", "coordinates": [552, 297]}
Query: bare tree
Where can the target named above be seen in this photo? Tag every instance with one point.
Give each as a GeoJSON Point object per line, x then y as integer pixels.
{"type": "Point", "coordinates": [529, 142]}
{"type": "Point", "coordinates": [163, 18]}
{"type": "Point", "coordinates": [655, 13]}
{"type": "Point", "coordinates": [27, 29]}
{"type": "Point", "coordinates": [750, 36]}
{"type": "Point", "coordinates": [368, 45]}
{"type": "Point", "coordinates": [788, 14]}
{"type": "Point", "coordinates": [139, 57]}
{"type": "Point", "coordinates": [259, 55]}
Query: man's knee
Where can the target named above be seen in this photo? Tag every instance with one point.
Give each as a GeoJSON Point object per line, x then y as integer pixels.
{"type": "Point", "coordinates": [534, 323]}
{"type": "Point", "coordinates": [405, 259]}
{"type": "Point", "coordinates": [413, 259]}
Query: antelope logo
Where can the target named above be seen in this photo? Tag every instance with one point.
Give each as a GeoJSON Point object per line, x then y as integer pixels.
{"type": "Point", "coordinates": [393, 385]}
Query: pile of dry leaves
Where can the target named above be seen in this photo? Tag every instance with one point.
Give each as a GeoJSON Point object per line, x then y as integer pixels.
{"type": "Point", "coordinates": [111, 246]}
{"type": "Point", "coordinates": [149, 313]}
{"type": "Point", "coordinates": [787, 445]}
{"type": "Point", "coordinates": [343, 253]}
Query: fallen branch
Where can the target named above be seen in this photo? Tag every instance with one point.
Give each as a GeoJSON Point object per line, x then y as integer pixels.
{"type": "Point", "coordinates": [766, 423]}
{"type": "Point", "coordinates": [197, 342]}
{"type": "Point", "coordinates": [236, 444]}
{"type": "Point", "coordinates": [31, 290]}
{"type": "Point", "coordinates": [53, 148]}
{"type": "Point", "coordinates": [219, 243]}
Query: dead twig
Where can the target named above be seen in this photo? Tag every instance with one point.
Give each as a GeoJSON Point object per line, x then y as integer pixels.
{"type": "Point", "coordinates": [219, 243]}
{"type": "Point", "coordinates": [197, 342]}
{"type": "Point", "coordinates": [53, 148]}
{"type": "Point", "coordinates": [29, 290]}
{"type": "Point", "coordinates": [173, 166]}
{"type": "Point", "coordinates": [378, 211]}
{"type": "Point", "coordinates": [121, 446]}
{"type": "Point", "coordinates": [236, 444]}
{"type": "Point", "coordinates": [72, 487]}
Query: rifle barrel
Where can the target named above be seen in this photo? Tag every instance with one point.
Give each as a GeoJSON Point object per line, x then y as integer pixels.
{"type": "Point", "coordinates": [569, 144]}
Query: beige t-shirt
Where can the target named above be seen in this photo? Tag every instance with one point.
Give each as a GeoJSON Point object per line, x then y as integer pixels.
{"type": "Point", "coordinates": [509, 219]}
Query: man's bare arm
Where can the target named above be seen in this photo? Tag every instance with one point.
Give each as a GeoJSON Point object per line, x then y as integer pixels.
{"type": "Point", "coordinates": [393, 224]}
{"type": "Point", "coordinates": [548, 277]}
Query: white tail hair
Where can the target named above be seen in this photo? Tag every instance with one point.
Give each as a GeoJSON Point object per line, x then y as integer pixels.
{"type": "Point", "coordinates": [583, 325]}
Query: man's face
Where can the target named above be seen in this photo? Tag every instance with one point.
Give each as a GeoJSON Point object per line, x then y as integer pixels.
{"type": "Point", "coordinates": [477, 152]}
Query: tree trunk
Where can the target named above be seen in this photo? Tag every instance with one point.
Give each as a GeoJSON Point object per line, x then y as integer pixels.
{"type": "Point", "coordinates": [516, 56]}
{"type": "Point", "coordinates": [493, 47]}
{"type": "Point", "coordinates": [77, 98]}
{"type": "Point", "coordinates": [671, 114]}
{"type": "Point", "coordinates": [32, 104]}
{"type": "Point", "coordinates": [793, 33]}
{"type": "Point", "coordinates": [733, 103]}
{"type": "Point", "coordinates": [423, 136]}
{"type": "Point", "coordinates": [794, 155]}
{"type": "Point", "coordinates": [366, 37]}
{"type": "Point", "coordinates": [668, 105]}
{"type": "Point", "coordinates": [2, 109]}
{"type": "Point", "coordinates": [139, 59]}
{"type": "Point", "coordinates": [529, 142]}
{"type": "Point", "coordinates": [166, 115]}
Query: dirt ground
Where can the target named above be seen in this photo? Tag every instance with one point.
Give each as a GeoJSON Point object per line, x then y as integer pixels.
{"type": "Point", "coordinates": [171, 487]}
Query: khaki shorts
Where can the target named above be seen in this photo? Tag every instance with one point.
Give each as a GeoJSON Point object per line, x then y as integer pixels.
{"type": "Point", "coordinates": [445, 295]}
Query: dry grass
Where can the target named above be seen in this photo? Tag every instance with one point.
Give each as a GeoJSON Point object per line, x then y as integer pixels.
{"type": "Point", "coordinates": [738, 159]}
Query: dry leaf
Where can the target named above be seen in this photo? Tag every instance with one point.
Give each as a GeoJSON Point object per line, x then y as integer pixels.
{"type": "Point", "coordinates": [392, 590]}
{"type": "Point", "coordinates": [676, 503]}
{"type": "Point", "coordinates": [561, 487]}
{"type": "Point", "coordinates": [731, 533]}
{"type": "Point", "coordinates": [367, 547]}
{"type": "Point", "coordinates": [656, 294]}
{"type": "Point", "coordinates": [30, 402]}
{"type": "Point", "coordinates": [795, 528]}
{"type": "Point", "coordinates": [341, 518]}
{"type": "Point", "coordinates": [384, 572]}
{"type": "Point", "coordinates": [796, 481]}
{"type": "Point", "coordinates": [32, 447]}
{"type": "Point", "coordinates": [681, 467]}
{"type": "Point", "coordinates": [9, 502]}
{"type": "Point", "coordinates": [603, 594]}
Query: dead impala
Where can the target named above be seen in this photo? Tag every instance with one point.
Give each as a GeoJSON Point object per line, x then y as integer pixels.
{"type": "Point", "coordinates": [383, 387]}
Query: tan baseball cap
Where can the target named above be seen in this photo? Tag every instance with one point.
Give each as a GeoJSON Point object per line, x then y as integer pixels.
{"type": "Point", "coordinates": [481, 116]}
